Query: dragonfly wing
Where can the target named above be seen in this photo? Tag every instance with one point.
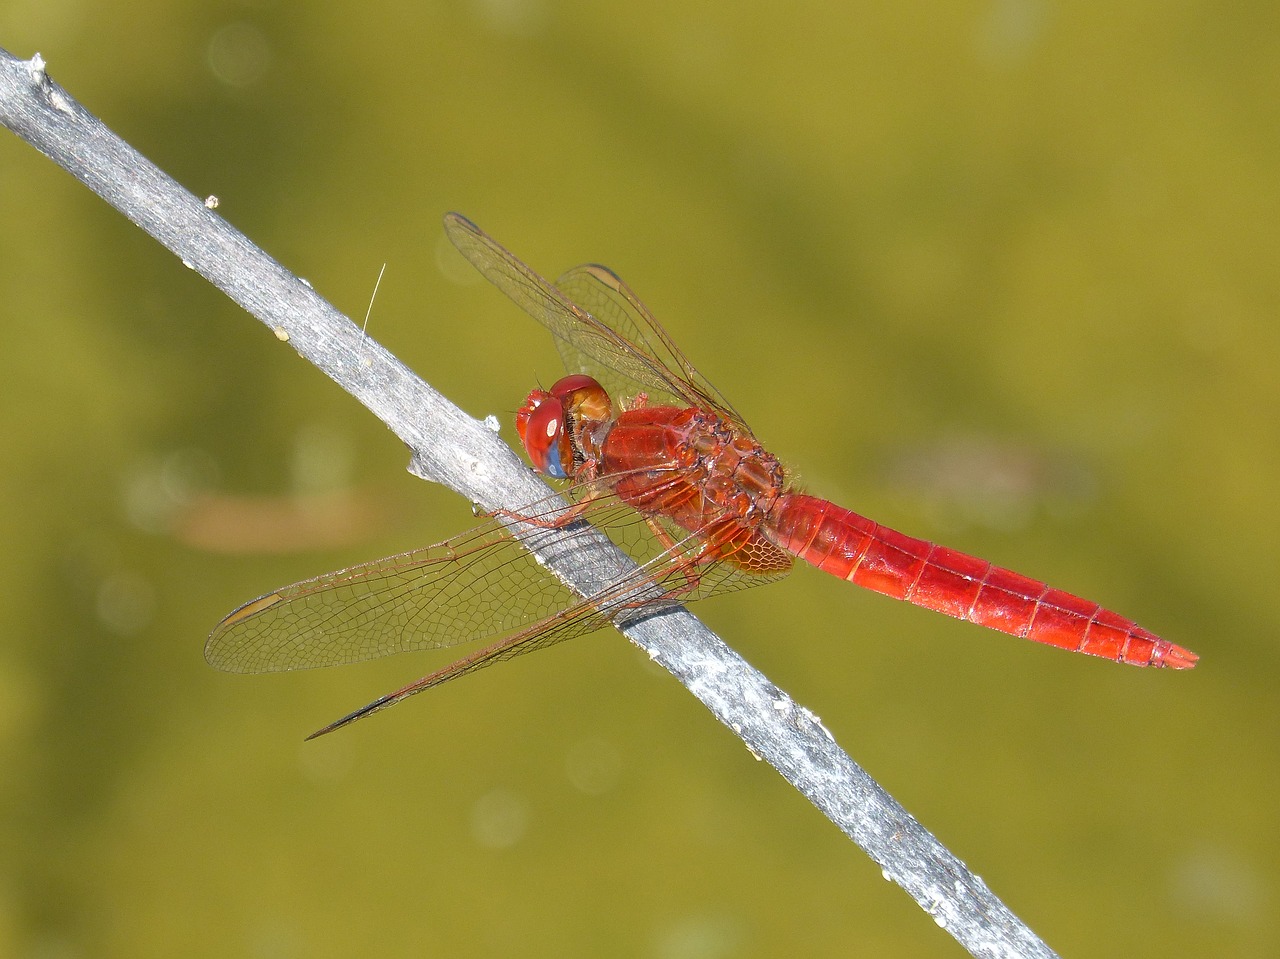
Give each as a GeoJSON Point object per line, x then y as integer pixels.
{"type": "Point", "coordinates": [730, 566]}
{"type": "Point", "coordinates": [478, 584]}
{"type": "Point", "coordinates": [503, 269]}
{"type": "Point", "coordinates": [661, 583]}
{"type": "Point", "coordinates": [600, 326]}
{"type": "Point", "coordinates": [483, 583]}
{"type": "Point", "coordinates": [657, 361]}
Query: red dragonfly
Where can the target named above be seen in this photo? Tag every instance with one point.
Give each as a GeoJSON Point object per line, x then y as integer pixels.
{"type": "Point", "coordinates": [675, 476]}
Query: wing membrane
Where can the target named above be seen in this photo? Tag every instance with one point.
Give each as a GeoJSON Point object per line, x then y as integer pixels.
{"type": "Point", "coordinates": [600, 325]}
{"type": "Point", "coordinates": [480, 584]}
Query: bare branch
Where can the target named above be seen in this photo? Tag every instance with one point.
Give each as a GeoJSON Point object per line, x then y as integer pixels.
{"type": "Point", "coordinates": [454, 449]}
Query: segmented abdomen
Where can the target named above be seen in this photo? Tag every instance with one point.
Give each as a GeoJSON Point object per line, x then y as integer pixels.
{"type": "Point", "coordinates": [862, 551]}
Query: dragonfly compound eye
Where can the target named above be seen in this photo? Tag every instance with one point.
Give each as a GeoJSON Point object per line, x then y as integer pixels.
{"type": "Point", "coordinates": [541, 425]}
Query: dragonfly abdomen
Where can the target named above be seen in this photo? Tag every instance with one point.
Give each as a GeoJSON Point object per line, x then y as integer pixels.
{"type": "Point", "coordinates": [925, 574]}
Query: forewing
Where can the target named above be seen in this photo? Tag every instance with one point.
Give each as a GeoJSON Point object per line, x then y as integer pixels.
{"type": "Point", "coordinates": [599, 324]}
{"type": "Point", "coordinates": [599, 291]}
{"type": "Point", "coordinates": [479, 584]}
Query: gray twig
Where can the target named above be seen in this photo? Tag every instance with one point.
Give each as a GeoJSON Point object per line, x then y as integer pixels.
{"type": "Point", "coordinates": [454, 449]}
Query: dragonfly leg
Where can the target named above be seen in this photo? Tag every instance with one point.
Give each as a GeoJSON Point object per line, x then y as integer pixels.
{"type": "Point", "coordinates": [687, 567]}
{"type": "Point", "coordinates": [574, 512]}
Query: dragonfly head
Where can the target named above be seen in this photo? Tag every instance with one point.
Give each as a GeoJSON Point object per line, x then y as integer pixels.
{"type": "Point", "coordinates": [558, 426]}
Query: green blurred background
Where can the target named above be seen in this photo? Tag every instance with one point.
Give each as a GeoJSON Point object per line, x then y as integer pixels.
{"type": "Point", "coordinates": [1002, 273]}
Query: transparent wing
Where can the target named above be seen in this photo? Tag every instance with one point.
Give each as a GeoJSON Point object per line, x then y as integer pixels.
{"type": "Point", "coordinates": [483, 583]}
{"type": "Point", "coordinates": [665, 581]}
{"type": "Point", "coordinates": [601, 326]}
{"type": "Point", "coordinates": [477, 584]}
{"type": "Point", "coordinates": [602, 293]}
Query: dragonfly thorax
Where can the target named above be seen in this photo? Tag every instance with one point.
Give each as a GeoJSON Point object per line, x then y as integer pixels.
{"type": "Point", "coordinates": [690, 465]}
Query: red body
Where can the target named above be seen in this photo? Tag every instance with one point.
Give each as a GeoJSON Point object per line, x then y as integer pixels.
{"type": "Point", "coordinates": [949, 581]}
{"type": "Point", "coordinates": [694, 468]}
